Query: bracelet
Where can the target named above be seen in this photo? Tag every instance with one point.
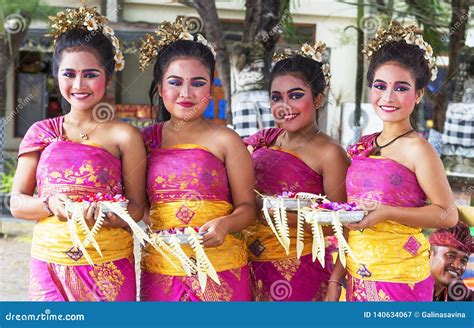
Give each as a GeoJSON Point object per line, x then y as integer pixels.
{"type": "Point", "coordinates": [336, 281]}
{"type": "Point", "coordinates": [46, 205]}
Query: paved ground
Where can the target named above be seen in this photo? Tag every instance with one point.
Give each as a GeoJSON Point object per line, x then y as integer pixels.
{"type": "Point", "coordinates": [15, 244]}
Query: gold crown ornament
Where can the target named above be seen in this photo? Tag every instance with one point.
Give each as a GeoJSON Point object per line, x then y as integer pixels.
{"type": "Point", "coordinates": [89, 19]}
{"type": "Point", "coordinates": [396, 32]}
{"type": "Point", "coordinates": [167, 33]}
{"type": "Point", "coordinates": [312, 52]}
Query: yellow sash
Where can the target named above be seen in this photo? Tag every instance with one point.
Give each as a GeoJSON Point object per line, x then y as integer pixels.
{"type": "Point", "coordinates": [52, 243]}
{"type": "Point", "coordinates": [230, 255]}
{"type": "Point", "coordinates": [389, 252]}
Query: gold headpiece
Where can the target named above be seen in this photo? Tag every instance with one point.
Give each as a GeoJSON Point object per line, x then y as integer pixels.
{"type": "Point", "coordinates": [313, 52]}
{"type": "Point", "coordinates": [87, 18]}
{"type": "Point", "coordinates": [396, 32]}
{"type": "Point", "coordinates": [167, 33]}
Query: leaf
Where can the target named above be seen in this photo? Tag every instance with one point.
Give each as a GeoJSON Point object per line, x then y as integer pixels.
{"type": "Point", "coordinates": [204, 265]}
{"type": "Point", "coordinates": [267, 217]}
{"type": "Point", "coordinates": [299, 232]}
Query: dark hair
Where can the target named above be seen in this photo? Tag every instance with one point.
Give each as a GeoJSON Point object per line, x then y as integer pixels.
{"type": "Point", "coordinates": [305, 68]}
{"type": "Point", "coordinates": [175, 50]}
{"type": "Point", "coordinates": [407, 55]}
{"type": "Point", "coordinates": [80, 39]}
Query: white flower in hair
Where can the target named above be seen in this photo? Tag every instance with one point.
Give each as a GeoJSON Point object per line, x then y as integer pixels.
{"type": "Point", "coordinates": [91, 24]}
{"type": "Point", "coordinates": [118, 57]}
{"type": "Point", "coordinates": [115, 42]}
{"type": "Point", "coordinates": [432, 61]}
{"type": "Point", "coordinates": [410, 38]}
{"type": "Point", "coordinates": [119, 66]}
{"type": "Point", "coordinates": [186, 36]}
{"type": "Point", "coordinates": [107, 30]}
{"type": "Point", "coordinates": [307, 50]}
{"type": "Point", "coordinates": [325, 69]}
{"type": "Point", "coordinates": [420, 43]}
{"type": "Point", "coordinates": [201, 39]}
{"type": "Point", "coordinates": [428, 52]}
{"type": "Point", "coordinates": [318, 57]}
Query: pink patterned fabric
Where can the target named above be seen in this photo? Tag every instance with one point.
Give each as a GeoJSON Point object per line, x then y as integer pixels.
{"type": "Point", "coordinates": [158, 287]}
{"type": "Point", "coordinates": [279, 171]}
{"type": "Point", "coordinates": [70, 167]}
{"type": "Point", "coordinates": [275, 178]}
{"type": "Point", "coordinates": [110, 281]}
{"type": "Point", "coordinates": [381, 179]}
{"type": "Point", "coordinates": [203, 174]}
{"type": "Point", "coordinates": [360, 290]}
{"type": "Point", "coordinates": [290, 279]}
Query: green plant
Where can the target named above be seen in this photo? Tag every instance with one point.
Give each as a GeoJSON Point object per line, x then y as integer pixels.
{"type": "Point", "coordinates": [6, 177]}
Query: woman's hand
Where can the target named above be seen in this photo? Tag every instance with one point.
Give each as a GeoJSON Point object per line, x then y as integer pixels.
{"type": "Point", "coordinates": [372, 218]}
{"type": "Point", "coordinates": [112, 220]}
{"type": "Point", "coordinates": [91, 214]}
{"type": "Point", "coordinates": [215, 232]}
{"type": "Point", "coordinates": [57, 205]}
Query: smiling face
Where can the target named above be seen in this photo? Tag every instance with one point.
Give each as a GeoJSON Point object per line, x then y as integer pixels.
{"type": "Point", "coordinates": [186, 88]}
{"type": "Point", "coordinates": [292, 102]}
{"type": "Point", "coordinates": [447, 264]}
{"type": "Point", "coordinates": [82, 79]}
{"type": "Point", "coordinates": [393, 94]}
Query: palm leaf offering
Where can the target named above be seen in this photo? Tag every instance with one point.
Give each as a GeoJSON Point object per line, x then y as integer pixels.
{"type": "Point", "coordinates": [316, 210]}
{"type": "Point", "coordinates": [165, 242]}
{"type": "Point", "coordinates": [105, 203]}
{"type": "Point", "coordinates": [204, 265]}
{"type": "Point", "coordinates": [171, 241]}
{"type": "Point", "coordinates": [299, 232]}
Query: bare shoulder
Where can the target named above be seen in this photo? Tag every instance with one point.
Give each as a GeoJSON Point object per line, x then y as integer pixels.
{"type": "Point", "coordinates": [222, 135]}
{"type": "Point", "coordinates": [325, 153]}
{"type": "Point", "coordinates": [122, 131]}
{"type": "Point", "coordinates": [417, 145]}
{"type": "Point", "coordinates": [419, 151]}
{"type": "Point", "coordinates": [330, 147]}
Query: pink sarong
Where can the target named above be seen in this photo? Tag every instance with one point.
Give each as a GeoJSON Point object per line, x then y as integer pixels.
{"type": "Point", "coordinates": [161, 287]}
{"type": "Point", "coordinates": [110, 281]}
{"type": "Point", "coordinates": [59, 272]}
{"type": "Point", "coordinates": [393, 263]}
{"type": "Point", "coordinates": [275, 275]}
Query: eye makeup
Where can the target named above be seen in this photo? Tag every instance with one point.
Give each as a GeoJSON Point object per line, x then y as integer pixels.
{"type": "Point", "coordinates": [294, 94]}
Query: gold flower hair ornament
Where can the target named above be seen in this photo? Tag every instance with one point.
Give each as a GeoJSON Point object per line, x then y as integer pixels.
{"type": "Point", "coordinates": [396, 32]}
{"type": "Point", "coordinates": [87, 18]}
{"type": "Point", "coordinates": [313, 52]}
{"type": "Point", "coordinates": [167, 33]}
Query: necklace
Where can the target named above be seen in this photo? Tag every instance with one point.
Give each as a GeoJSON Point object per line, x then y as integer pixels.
{"type": "Point", "coordinates": [84, 135]}
{"type": "Point", "coordinates": [378, 147]}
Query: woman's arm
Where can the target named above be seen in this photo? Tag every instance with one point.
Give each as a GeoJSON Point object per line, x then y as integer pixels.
{"type": "Point", "coordinates": [442, 211]}
{"type": "Point", "coordinates": [334, 174]}
{"type": "Point", "coordinates": [241, 178]}
{"type": "Point", "coordinates": [22, 203]}
{"type": "Point", "coordinates": [132, 150]}
{"type": "Point", "coordinates": [334, 169]}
